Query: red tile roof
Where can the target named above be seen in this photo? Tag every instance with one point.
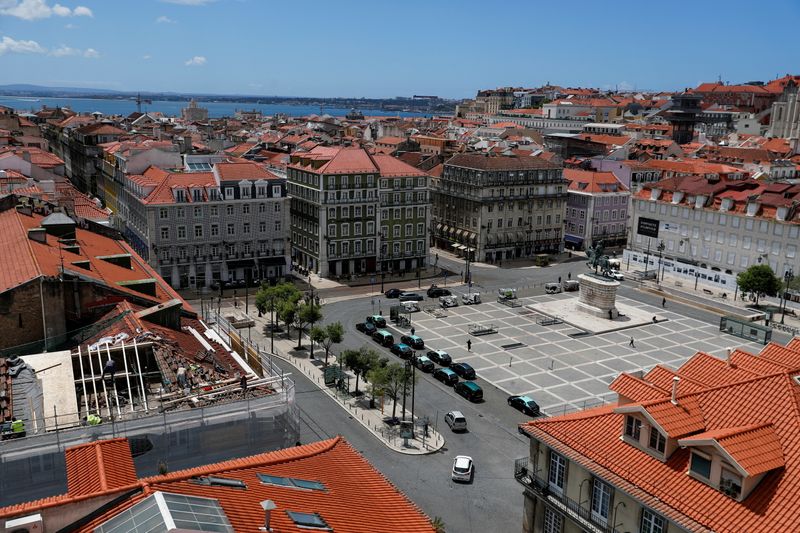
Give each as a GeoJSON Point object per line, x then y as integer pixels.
{"type": "Point", "coordinates": [593, 182]}
{"type": "Point", "coordinates": [755, 420]}
{"type": "Point", "coordinates": [357, 498]}
{"type": "Point", "coordinates": [99, 466]}
{"type": "Point", "coordinates": [243, 171]}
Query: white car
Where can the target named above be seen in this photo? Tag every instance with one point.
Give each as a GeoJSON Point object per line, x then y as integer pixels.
{"type": "Point", "coordinates": [616, 274]}
{"type": "Point", "coordinates": [462, 468]}
{"type": "Point", "coordinates": [448, 301]}
{"type": "Point", "coordinates": [410, 307]}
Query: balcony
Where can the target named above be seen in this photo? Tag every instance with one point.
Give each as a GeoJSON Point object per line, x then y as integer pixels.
{"type": "Point", "coordinates": [580, 515]}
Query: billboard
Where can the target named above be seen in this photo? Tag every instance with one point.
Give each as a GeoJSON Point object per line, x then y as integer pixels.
{"type": "Point", "coordinates": [647, 227]}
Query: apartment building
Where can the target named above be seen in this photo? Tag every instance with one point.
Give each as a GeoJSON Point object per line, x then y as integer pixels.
{"type": "Point", "coordinates": [597, 209]}
{"type": "Point", "coordinates": [679, 451]}
{"type": "Point", "coordinates": [354, 213]}
{"type": "Point", "coordinates": [492, 207]}
{"type": "Point", "coordinates": [228, 223]}
{"type": "Point", "coordinates": [713, 227]}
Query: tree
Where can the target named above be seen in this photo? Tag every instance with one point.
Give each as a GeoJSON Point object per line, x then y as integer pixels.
{"type": "Point", "coordinates": [393, 387]}
{"type": "Point", "coordinates": [286, 313]}
{"type": "Point", "coordinates": [307, 313]}
{"type": "Point", "coordinates": [273, 299]}
{"type": "Point", "coordinates": [377, 377]}
{"type": "Point", "coordinates": [318, 335]}
{"type": "Point", "coordinates": [759, 280]}
{"type": "Point", "coordinates": [360, 361]}
{"type": "Point", "coordinates": [334, 334]}
{"type": "Point", "coordinates": [438, 524]}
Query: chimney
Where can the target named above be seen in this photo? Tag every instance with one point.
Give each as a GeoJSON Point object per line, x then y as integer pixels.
{"type": "Point", "coordinates": [675, 381]}
{"type": "Point", "coordinates": [728, 358]}
{"type": "Point", "coordinates": [38, 235]}
{"type": "Point", "coordinates": [268, 506]}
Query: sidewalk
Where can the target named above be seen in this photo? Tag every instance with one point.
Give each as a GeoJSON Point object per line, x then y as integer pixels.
{"type": "Point", "coordinates": [569, 256]}
{"type": "Point", "coordinates": [357, 407]}
{"type": "Point", "coordinates": [364, 280]}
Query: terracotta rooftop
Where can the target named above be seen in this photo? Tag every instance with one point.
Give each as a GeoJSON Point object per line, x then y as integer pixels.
{"type": "Point", "coordinates": [99, 467]}
{"type": "Point", "coordinates": [483, 162]}
{"type": "Point", "coordinates": [752, 415]}
{"type": "Point", "coordinates": [586, 181]}
{"type": "Point", "coordinates": [353, 496]}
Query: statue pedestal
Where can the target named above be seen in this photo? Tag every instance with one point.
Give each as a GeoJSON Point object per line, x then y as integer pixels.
{"type": "Point", "coordinates": [598, 296]}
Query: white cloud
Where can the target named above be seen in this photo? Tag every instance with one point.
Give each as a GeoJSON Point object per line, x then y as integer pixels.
{"type": "Point", "coordinates": [38, 9]}
{"type": "Point", "coordinates": [196, 61]}
{"type": "Point", "coordinates": [188, 2]}
{"type": "Point", "coordinates": [70, 26]}
{"type": "Point", "coordinates": [12, 46]}
{"type": "Point", "coordinates": [164, 20]}
{"type": "Point", "coordinates": [65, 50]}
{"type": "Point", "coordinates": [91, 53]}
{"type": "Point", "coordinates": [146, 57]}
{"type": "Point", "coordinates": [82, 11]}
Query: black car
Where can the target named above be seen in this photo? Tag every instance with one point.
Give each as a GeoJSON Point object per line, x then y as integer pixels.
{"type": "Point", "coordinates": [469, 390]}
{"type": "Point", "coordinates": [524, 404]}
{"type": "Point", "coordinates": [423, 363]}
{"type": "Point", "coordinates": [446, 376]}
{"type": "Point", "coordinates": [367, 328]}
{"type": "Point", "coordinates": [392, 293]}
{"type": "Point", "coordinates": [403, 351]}
{"type": "Point", "coordinates": [377, 320]}
{"type": "Point", "coordinates": [463, 370]}
{"type": "Point", "coordinates": [435, 292]}
{"type": "Point", "coordinates": [414, 341]}
{"type": "Point", "coordinates": [440, 356]}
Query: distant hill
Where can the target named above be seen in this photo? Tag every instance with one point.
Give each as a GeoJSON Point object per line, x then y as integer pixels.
{"type": "Point", "coordinates": [40, 90]}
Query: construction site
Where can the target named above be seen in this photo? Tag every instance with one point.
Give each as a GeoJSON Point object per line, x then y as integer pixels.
{"type": "Point", "coordinates": [182, 391]}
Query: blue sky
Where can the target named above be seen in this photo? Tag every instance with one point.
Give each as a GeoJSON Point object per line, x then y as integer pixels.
{"type": "Point", "coordinates": [384, 49]}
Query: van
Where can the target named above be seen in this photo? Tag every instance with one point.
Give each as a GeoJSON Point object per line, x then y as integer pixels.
{"type": "Point", "coordinates": [469, 390]}
{"type": "Point", "coordinates": [471, 298]}
{"type": "Point", "coordinates": [572, 285]}
{"type": "Point", "coordinates": [552, 288]}
{"type": "Point", "coordinates": [456, 421]}
{"type": "Point", "coordinates": [383, 337]}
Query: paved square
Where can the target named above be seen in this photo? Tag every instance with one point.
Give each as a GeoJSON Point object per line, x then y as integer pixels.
{"type": "Point", "coordinates": [560, 366]}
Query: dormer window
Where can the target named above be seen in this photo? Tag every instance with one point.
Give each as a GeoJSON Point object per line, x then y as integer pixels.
{"type": "Point", "coordinates": [700, 465]}
{"type": "Point", "coordinates": [730, 482]}
{"type": "Point", "coordinates": [633, 427]}
{"type": "Point", "coordinates": [657, 441]}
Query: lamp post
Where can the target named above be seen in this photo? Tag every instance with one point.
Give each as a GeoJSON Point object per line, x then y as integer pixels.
{"type": "Point", "coordinates": [647, 258]}
{"type": "Point", "coordinates": [788, 276]}
{"type": "Point", "coordinates": [405, 383]}
{"type": "Point", "coordinates": [696, 279]}
{"type": "Point", "coordinates": [660, 249]}
{"type": "Point", "coordinates": [413, 391]}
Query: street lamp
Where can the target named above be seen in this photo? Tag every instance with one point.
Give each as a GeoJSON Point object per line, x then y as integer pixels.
{"type": "Point", "coordinates": [660, 249]}
{"type": "Point", "coordinates": [788, 276]}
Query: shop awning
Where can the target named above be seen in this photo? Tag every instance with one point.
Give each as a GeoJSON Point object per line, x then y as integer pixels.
{"type": "Point", "coordinates": [439, 227]}
{"type": "Point", "coordinates": [521, 236]}
{"type": "Point", "coordinates": [459, 233]}
{"type": "Point", "coordinates": [573, 239]}
{"type": "Point", "coordinates": [241, 263]}
{"type": "Point", "coordinates": [272, 261]}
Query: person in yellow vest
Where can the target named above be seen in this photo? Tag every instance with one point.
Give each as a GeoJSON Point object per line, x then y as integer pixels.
{"type": "Point", "coordinates": [94, 420]}
{"type": "Point", "coordinates": [17, 426]}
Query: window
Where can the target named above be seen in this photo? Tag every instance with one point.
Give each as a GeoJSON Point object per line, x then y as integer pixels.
{"type": "Point", "coordinates": [558, 472]}
{"type": "Point", "coordinates": [370, 228]}
{"type": "Point", "coordinates": [633, 427]}
{"type": "Point", "coordinates": [700, 465]}
{"type": "Point", "coordinates": [331, 230]}
{"type": "Point", "coordinates": [276, 191]}
{"type": "Point", "coordinates": [229, 210]}
{"type": "Point", "coordinates": [198, 212]}
{"type": "Point", "coordinates": [198, 231]}
{"type": "Point", "coordinates": [181, 212]}
{"type": "Point", "coordinates": [214, 211]}
{"type": "Point", "coordinates": [231, 229]}
{"type": "Point", "coordinates": [345, 228]}
{"type": "Point", "coordinates": [277, 225]}
{"type": "Point", "coordinates": [657, 440]}
{"type": "Point", "coordinates": [409, 229]}
{"type": "Point", "coordinates": [229, 193]}
{"type": "Point", "coordinates": [652, 523]}
{"type": "Point", "coordinates": [215, 230]}
{"type": "Point", "coordinates": [246, 228]}
{"type": "Point", "coordinates": [165, 233]}
{"type": "Point", "coordinates": [601, 500]}
{"type": "Point", "coordinates": [163, 213]}
{"type": "Point", "coordinates": [277, 207]}
{"type": "Point", "coordinates": [357, 228]}
{"type": "Point", "coordinates": [308, 520]}
{"type": "Point", "coordinates": [553, 522]}
{"type": "Point", "coordinates": [181, 232]}
{"type": "Point", "coordinates": [262, 226]}
{"type": "Point", "coordinates": [396, 230]}
{"type": "Point", "coordinates": [730, 483]}
{"type": "Point", "coordinates": [246, 209]}
{"type": "Point", "coordinates": [420, 229]}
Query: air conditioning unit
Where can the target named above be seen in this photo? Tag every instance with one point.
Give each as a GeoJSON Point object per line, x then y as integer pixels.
{"type": "Point", "coordinates": [26, 524]}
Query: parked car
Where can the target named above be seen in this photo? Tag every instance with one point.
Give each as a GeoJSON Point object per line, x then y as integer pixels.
{"type": "Point", "coordinates": [436, 292]}
{"type": "Point", "coordinates": [524, 404]}
{"type": "Point", "coordinates": [464, 370]}
{"type": "Point", "coordinates": [402, 350]}
{"type": "Point", "coordinates": [448, 301]}
{"type": "Point", "coordinates": [367, 328]}
{"type": "Point", "coordinates": [411, 297]}
{"type": "Point", "coordinates": [572, 285]}
{"type": "Point", "coordinates": [506, 294]}
{"type": "Point", "coordinates": [616, 274]}
{"type": "Point", "coordinates": [392, 293]}
{"type": "Point", "coordinates": [410, 307]}
{"type": "Point", "coordinates": [469, 390]}
{"type": "Point", "coordinates": [456, 421]}
{"type": "Point", "coordinates": [415, 341]}
{"type": "Point", "coordinates": [462, 468]}
{"type": "Point", "coordinates": [441, 357]}
{"type": "Point", "coordinates": [471, 298]}
{"type": "Point", "coordinates": [377, 320]}
{"type": "Point", "coordinates": [423, 363]}
{"type": "Point", "coordinates": [552, 288]}
{"type": "Point", "coordinates": [446, 376]}
{"type": "Point", "coordinates": [383, 337]}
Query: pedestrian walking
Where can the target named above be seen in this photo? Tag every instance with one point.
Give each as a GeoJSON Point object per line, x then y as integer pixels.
{"type": "Point", "coordinates": [413, 331]}
{"type": "Point", "coordinates": [109, 368]}
{"type": "Point", "coordinates": [243, 383]}
{"type": "Point", "coordinates": [569, 275]}
{"type": "Point", "coordinates": [469, 345]}
{"type": "Point", "coordinates": [663, 302]}
{"type": "Point", "coordinates": [631, 343]}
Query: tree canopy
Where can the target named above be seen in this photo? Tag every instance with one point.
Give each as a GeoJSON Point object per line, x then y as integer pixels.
{"type": "Point", "coordinates": [759, 280]}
